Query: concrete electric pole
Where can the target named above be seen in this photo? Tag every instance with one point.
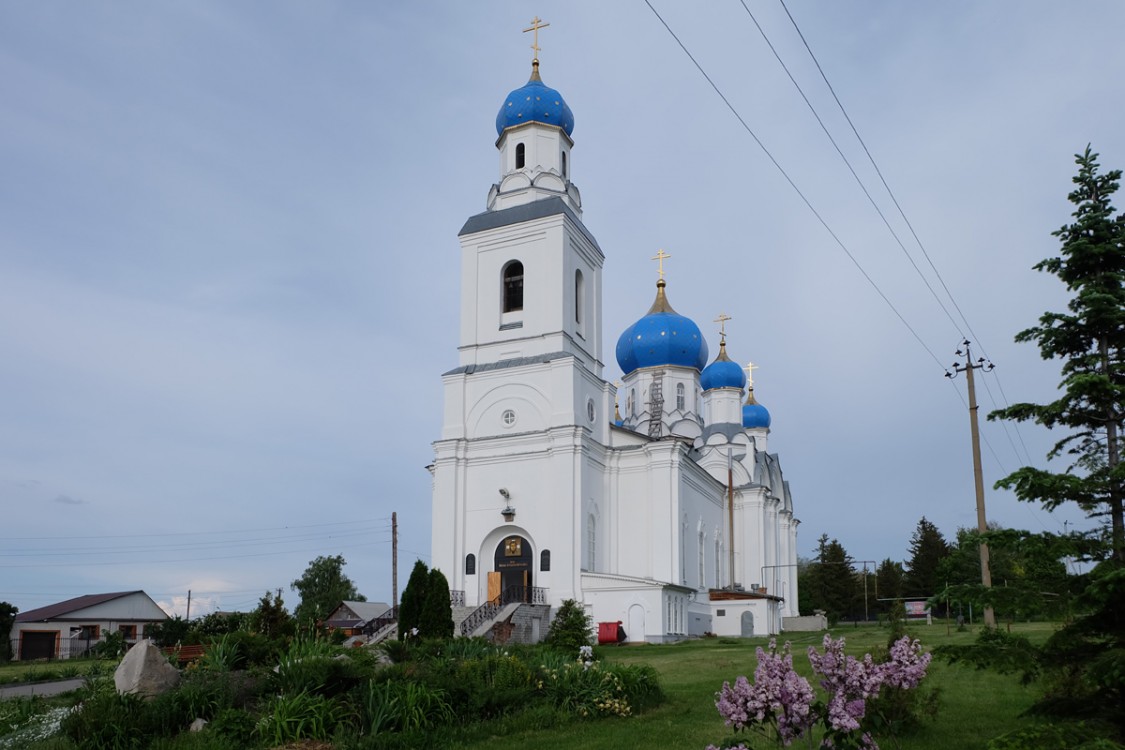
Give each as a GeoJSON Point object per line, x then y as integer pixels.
{"type": "Point", "coordinates": [978, 476]}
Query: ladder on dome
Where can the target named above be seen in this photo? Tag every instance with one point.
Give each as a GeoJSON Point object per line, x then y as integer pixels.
{"type": "Point", "coordinates": [656, 405]}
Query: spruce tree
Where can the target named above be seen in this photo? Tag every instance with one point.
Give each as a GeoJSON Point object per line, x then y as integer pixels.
{"type": "Point", "coordinates": [889, 583]}
{"type": "Point", "coordinates": [927, 549]}
{"type": "Point", "coordinates": [1090, 341]}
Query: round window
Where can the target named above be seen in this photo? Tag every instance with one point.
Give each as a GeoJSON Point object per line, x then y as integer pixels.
{"type": "Point", "coordinates": [508, 418]}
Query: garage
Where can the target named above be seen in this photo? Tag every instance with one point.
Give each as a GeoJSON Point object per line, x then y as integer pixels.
{"type": "Point", "coordinates": [38, 644]}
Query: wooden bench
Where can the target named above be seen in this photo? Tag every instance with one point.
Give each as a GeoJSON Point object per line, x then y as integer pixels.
{"type": "Point", "coordinates": [185, 654]}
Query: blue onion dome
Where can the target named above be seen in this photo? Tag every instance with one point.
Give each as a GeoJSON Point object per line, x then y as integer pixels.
{"type": "Point", "coordinates": [722, 373]}
{"type": "Point", "coordinates": [534, 102]}
{"type": "Point", "coordinates": [754, 415]}
{"type": "Point", "coordinates": [662, 337]}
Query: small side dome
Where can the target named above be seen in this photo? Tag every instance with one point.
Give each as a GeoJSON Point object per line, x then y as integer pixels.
{"type": "Point", "coordinates": [754, 415]}
{"type": "Point", "coordinates": [722, 373]}
{"type": "Point", "coordinates": [661, 338]}
{"type": "Point", "coordinates": [534, 102]}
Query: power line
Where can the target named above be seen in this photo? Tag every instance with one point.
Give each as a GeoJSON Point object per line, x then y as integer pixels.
{"type": "Point", "coordinates": [197, 533]}
{"type": "Point", "coordinates": [902, 213]}
{"type": "Point", "coordinates": [851, 169]}
{"type": "Point", "coordinates": [796, 189]}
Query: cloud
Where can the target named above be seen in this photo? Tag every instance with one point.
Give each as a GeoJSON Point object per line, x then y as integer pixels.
{"type": "Point", "coordinates": [68, 500]}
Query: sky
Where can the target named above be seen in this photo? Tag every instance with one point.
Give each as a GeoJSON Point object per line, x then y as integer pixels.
{"type": "Point", "coordinates": [229, 260]}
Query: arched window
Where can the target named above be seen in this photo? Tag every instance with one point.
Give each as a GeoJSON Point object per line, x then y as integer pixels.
{"type": "Point", "coordinates": [591, 542]}
{"type": "Point", "coordinates": [513, 286]}
{"type": "Point", "coordinates": [579, 296]}
{"type": "Point", "coordinates": [564, 165]}
{"type": "Point", "coordinates": [519, 155]}
{"type": "Point", "coordinates": [470, 565]}
{"type": "Point", "coordinates": [545, 561]}
{"type": "Point", "coordinates": [680, 396]}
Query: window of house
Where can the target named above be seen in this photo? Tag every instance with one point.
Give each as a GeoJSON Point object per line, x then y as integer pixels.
{"type": "Point", "coordinates": [545, 560]}
{"type": "Point", "coordinates": [128, 631]}
{"type": "Point", "coordinates": [513, 286]}
{"type": "Point", "coordinates": [519, 155]}
{"type": "Point", "coordinates": [470, 565]}
{"type": "Point", "coordinates": [680, 399]}
{"type": "Point", "coordinates": [632, 405]}
{"type": "Point", "coordinates": [564, 164]}
{"type": "Point", "coordinates": [89, 632]}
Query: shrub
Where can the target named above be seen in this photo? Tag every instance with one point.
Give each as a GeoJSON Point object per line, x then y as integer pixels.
{"type": "Point", "coordinates": [397, 651]}
{"type": "Point", "coordinates": [436, 617]}
{"type": "Point", "coordinates": [1062, 736]}
{"type": "Point", "coordinates": [108, 721]}
{"type": "Point", "coordinates": [586, 691]}
{"type": "Point", "coordinates": [570, 629]}
{"type": "Point", "coordinates": [234, 725]}
{"type": "Point", "coordinates": [315, 666]}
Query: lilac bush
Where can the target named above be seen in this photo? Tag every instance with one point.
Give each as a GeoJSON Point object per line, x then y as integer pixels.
{"type": "Point", "coordinates": [779, 698]}
{"type": "Point", "coordinates": [782, 703]}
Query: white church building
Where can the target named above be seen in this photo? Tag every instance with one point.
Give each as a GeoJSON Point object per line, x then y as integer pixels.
{"type": "Point", "coordinates": [655, 504]}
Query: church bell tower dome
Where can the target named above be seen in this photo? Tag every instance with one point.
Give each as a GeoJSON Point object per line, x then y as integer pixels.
{"type": "Point", "coordinates": [535, 101]}
{"type": "Point", "coordinates": [662, 337]}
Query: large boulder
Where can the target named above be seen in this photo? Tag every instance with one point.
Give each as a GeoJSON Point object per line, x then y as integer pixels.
{"type": "Point", "coordinates": [145, 671]}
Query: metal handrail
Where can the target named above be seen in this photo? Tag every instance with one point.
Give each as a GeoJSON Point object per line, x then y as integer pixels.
{"type": "Point", "coordinates": [510, 595]}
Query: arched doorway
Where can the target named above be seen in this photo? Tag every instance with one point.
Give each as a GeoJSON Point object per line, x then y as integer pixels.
{"type": "Point", "coordinates": [512, 567]}
{"type": "Point", "coordinates": [747, 624]}
{"type": "Point", "coordinates": [636, 626]}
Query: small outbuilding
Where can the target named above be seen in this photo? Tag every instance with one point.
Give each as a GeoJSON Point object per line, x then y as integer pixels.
{"type": "Point", "coordinates": [74, 627]}
{"type": "Point", "coordinates": [350, 618]}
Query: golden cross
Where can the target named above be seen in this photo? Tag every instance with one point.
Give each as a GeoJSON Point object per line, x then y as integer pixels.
{"type": "Point", "coordinates": [750, 367]}
{"type": "Point", "coordinates": [536, 24]}
{"type": "Point", "coordinates": [660, 257]}
{"type": "Point", "coordinates": [722, 321]}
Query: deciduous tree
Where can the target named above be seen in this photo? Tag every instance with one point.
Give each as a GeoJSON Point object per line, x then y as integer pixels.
{"type": "Point", "coordinates": [322, 587]}
{"type": "Point", "coordinates": [7, 619]}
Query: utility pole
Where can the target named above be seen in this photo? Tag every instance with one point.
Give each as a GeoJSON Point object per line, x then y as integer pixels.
{"type": "Point", "coordinates": [188, 616]}
{"type": "Point", "coordinates": [978, 476]}
{"type": "Point", "coordinates": [394, 565]}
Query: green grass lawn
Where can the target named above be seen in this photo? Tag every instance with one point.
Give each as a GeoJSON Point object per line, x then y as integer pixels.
{"type": "Point", "coordinates": [974, 706]}
{"type": "Point", "coordinates": [39, 671]}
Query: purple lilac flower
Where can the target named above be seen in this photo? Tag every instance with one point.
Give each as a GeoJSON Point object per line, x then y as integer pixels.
{"type": "Point", "coordinates": [778, 694]}
{"type": "Point", "coordinates": [907, 664]}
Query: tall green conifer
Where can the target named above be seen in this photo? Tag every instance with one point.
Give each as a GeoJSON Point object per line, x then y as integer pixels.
{"type": "Point", "coordinates": [1090, 341]}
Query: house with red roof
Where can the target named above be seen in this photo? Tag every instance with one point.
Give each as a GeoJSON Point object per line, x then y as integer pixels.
{"type": "Point", "coordinates": [71, 628]}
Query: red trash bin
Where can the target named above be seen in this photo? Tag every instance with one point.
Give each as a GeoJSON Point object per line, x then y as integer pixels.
{"type": "Point", "coordinates": [610, 632]}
